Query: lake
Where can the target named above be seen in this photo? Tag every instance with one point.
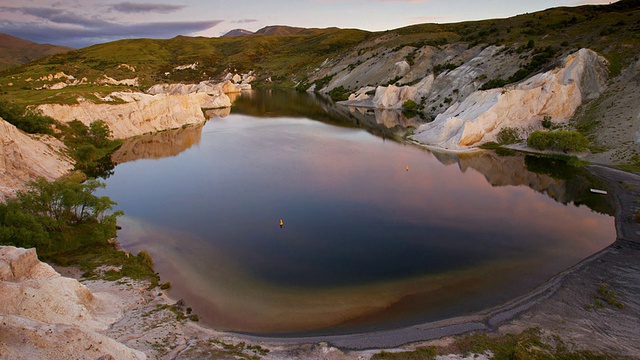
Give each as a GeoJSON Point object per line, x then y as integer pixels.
{"type": "Point", "coordinates": [376, 233]}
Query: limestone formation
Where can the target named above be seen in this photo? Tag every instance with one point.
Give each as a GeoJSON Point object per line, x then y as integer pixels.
{"type": "Point", "coordinates": [555, 94]}
{"type": "Point", "coordinates": [45, 315]}
{"type": "Point", "coordinates": [140, 113]}
{"type": "Point", "coordinates": [206, 87]}
{"type": "Point", "coordinates": [25, 157]}
{"type": "Point", "coordinates": [112, 81]}
{"type": "Point", "coordinates": [439, 91]}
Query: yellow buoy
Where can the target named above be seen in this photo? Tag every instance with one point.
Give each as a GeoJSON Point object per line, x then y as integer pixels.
{"type": "Point", "coordinates": [407, 167]}
{"type": "Point", "coordinates": [281, 223]}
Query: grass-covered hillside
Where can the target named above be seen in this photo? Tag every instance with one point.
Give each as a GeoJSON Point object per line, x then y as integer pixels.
{"type": "Point", "coordinates": [284, 61]}
{"type": "Point", "coordinates": [15, 51]}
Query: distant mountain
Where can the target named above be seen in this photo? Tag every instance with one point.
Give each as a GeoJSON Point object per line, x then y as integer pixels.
{"type": "Point", "coordinates": [279, 30]}
{"type": "Point", "coordinates": [238, 32]}
{"type": "Point", "coordinates": [15, 51]}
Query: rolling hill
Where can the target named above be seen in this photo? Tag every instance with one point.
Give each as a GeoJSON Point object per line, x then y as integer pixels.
{"type": "Point", "coordinates": [15, 51]}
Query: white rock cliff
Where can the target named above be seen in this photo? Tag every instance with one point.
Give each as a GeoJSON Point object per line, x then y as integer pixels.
{"type": "Point", "coordinates": [480, 117]}
{"type": "Point", "coordinates": [25, 157]}
{"type": "Point", "coordinates": [141, 113]}
{"type": "Point", "coordinates": [46, 316]}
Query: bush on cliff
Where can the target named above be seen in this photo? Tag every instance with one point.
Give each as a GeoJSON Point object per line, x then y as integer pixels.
{"type": "Point", "coordinates": [24, 119]}
{"type": "Point", "coordinates": [91, 147]}
{"type": "Point", "coordinates": [558, 140]}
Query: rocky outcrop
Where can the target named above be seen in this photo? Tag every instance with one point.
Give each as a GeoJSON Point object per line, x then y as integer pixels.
{"type": "Point", "coordinates": [439, 89]}
{"type": "Point", "coordinates": [112, 81]}
{"type": "Point", "coordinates": [45, 315]}
{"type": "Point", "coordinates": [25, 157]}
{"type": "Point", "coordinates": [206, 87]}
{"type": "Point", "coordinates": [140, 113]}
{"type": "Point", "coordinates": [555, 94]}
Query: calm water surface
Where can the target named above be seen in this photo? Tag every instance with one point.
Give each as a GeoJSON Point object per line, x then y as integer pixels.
{"type": "Point", "coordinates": [365, 244]}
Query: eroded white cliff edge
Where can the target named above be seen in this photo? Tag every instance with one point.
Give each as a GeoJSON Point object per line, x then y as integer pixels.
{"type": "Point", "coordinates": [555, 94]}
{"type": "Point", "coordinates": [25, 157]}
{"type": "Point", "coordinates": [138, 113]}
{"type": "Point", "coordinates": [47, 316]}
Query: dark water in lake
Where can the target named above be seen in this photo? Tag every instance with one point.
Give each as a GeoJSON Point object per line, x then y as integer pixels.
{"type": "Point", "coordinates": [366, 243]}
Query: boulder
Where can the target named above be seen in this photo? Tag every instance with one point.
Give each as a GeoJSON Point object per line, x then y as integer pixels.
{"type": "Point", "coordinates": [229, 87]}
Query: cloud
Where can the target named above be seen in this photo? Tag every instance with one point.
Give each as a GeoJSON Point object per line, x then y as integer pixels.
{"type": "Point", "coordinates": [137, 8]}
{"type": "Point", "coordinates": [68, 27]}
{"type": "Point", "coordinates": [244, 21]}
{"type": "Point", "coordinates": [83, 36]}
{"type": "Point", "coordinates": [57, 16]}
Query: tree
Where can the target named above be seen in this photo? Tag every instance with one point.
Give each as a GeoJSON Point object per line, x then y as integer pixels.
{"type": "Point", "coordinates": [58, 216]}
{"type": "Point", "coordinates": [100, 133]}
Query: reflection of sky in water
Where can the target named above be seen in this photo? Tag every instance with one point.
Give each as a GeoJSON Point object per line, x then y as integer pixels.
{"type": "Point", "coordinates": [357, 226]}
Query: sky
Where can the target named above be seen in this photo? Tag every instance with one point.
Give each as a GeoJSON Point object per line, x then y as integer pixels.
{"type": "Point", "coordinates": [79, 23]}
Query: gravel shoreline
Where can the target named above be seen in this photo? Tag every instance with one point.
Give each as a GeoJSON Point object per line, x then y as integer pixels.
{"type": "Point", "coordinates": [543, 307]}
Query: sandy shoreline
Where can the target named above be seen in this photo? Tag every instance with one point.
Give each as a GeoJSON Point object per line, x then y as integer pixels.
{"type": "Point", "coordinates": [559, 306]}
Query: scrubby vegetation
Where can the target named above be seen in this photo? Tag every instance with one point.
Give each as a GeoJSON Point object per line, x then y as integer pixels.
{"type": "Point", "coordinates": [24, 119]}
{"type": "Point", "coordinates": [69, 225]}
{"type": "Point", "coordinates": [558, 140]}
{"type": "Point", "coordinates": [530, 344]}
{"type": "Point", "coordinates": [508, 136]}
{"type": "Point", "coordinates": [91, 147]}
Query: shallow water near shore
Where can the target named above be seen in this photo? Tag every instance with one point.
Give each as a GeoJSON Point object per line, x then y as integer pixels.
{"type": "Point", "coordinates": [377, 234]}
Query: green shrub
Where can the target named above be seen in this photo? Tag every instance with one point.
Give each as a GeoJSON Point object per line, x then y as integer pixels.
{"type": "Point", "coordinates": [24, 119]}
{"type": "Point", "coordinates": [146, 259]}
{"type": "Point", "coordinates": [339, 93]}
{"type": "Point", "coordinates": [409, 105]}
{"type": "Point", "coordinates": [91, 147]}
{"type": "Point", "coordinates": [57, 217]}
{"type": "Point", "coordinates": [546, 122]}
{"type": "Point", "coordinates": [508, 136]}
{"type": "Point", "coordinates": [558, 140]}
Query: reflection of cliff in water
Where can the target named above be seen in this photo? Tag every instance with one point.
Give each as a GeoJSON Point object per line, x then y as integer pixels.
{"type": "Point", "coordinates": [158, 145]}
{"type": "Point", "coordinates": [553, 177]}
{"type": "Point", "coordinates": [274, 103]}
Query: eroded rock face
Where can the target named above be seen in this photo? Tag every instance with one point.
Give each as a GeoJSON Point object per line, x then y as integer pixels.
{"type": "Point", "coordinates": [556, 94]}
{"type": "Point", "coordinates": [38, 304]}
{"type": "Point", "coordinates": [25, 157]}
{"type": "Point", "coordinates": [437, 92]}
{"type": "Point", "coordinates": [140, 113]}
{"type": "Point", "coordinates": [206, 87]}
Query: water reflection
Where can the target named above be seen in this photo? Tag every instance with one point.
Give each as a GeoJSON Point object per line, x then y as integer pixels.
{"type": "Point", "coordinates": [366, 244]}
{"type": "Point", "coordinates": [278, 103]}
{"type": "Point", "coordinates": [158, 145]}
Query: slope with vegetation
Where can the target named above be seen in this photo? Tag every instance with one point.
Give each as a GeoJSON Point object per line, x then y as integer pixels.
{"type": "Point", "coordinates": [15, 51]}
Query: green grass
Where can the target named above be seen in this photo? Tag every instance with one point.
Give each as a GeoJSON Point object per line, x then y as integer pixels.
{"type": "Point", "coordinates": [605, 295]}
